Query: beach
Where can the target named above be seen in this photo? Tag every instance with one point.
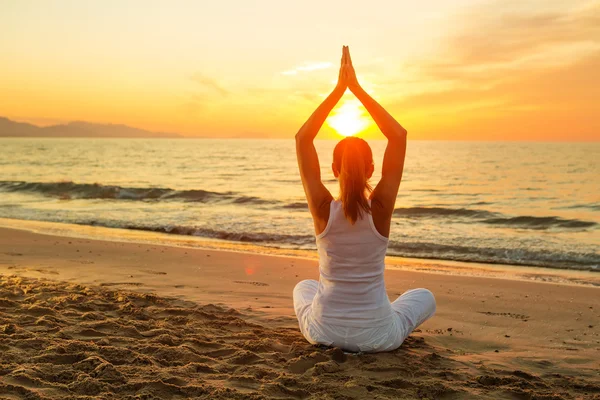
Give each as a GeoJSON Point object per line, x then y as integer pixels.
{"type": "Point", "coordinates": [171, 173]}
{"type": "Point", "coordinates": [84, 318]}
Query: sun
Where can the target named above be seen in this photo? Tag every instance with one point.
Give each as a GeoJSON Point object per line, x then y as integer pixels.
{"type": "Point", "coordinates": [349, 119]}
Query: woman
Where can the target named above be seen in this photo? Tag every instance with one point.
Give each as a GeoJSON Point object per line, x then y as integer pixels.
{"type": "Point", "coordinates": [348, 307]}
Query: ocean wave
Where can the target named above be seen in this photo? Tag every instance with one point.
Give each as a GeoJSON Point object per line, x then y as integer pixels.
{"type": "Point", "coordinates": [591, 206]}
{"type": "Point", "coordinates": [70, 190]}
{"type": "Point", "coordinates": [251, 237]}
{"type": "Point", "coordinates": [252, 200]}
{"type": "Point", "coordinates": [297, 205]}
{"type": "Point", "coordinates": [489, 255]}
{"type": "Point", "coordinates": [494, 218]}
{"type": "Point", "coordinates": [440, 212]}
{"type": "Point", "coordinates": [529, 222]}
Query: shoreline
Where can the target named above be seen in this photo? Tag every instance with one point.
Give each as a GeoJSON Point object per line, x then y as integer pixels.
{"type": "Point", "coordinates": [582, 277]}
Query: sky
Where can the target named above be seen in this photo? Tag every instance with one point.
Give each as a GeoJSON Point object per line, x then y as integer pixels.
{"type": "Point", "coordinates": [464, 70]}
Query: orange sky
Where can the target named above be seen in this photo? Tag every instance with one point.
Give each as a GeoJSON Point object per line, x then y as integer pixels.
{"type": "Point", "coordinates": [475, 70]}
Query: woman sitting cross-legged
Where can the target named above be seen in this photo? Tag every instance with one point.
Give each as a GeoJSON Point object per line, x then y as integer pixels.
{"type": "Point", "coordinates": [348, 307]}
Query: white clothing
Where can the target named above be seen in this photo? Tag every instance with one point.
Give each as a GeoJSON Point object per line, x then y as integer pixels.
{"type": "Point", "coordinates": [351, 289]}
{"type": "Point", "coordinates": [349, 307]}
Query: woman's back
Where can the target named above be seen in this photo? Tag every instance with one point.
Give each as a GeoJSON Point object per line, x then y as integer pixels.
{"type": "Point", "coordinates": [351, 288]}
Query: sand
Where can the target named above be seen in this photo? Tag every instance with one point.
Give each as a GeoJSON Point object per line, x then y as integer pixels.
{"type": "Point", "coordinates": [83, 318]}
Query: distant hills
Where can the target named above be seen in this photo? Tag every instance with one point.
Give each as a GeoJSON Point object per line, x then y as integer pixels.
{"type": "Point", "coordinates": [9, 128]}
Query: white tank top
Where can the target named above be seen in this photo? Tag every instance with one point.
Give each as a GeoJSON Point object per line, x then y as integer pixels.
{"type": "Point", "coordinates": [351, 263]}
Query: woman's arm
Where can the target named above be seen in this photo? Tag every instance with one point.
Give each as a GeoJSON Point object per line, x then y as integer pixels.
{"type": "Point", "coordinates": [393, 160]}
{"type": "Point", "coordinates": [317, 195]}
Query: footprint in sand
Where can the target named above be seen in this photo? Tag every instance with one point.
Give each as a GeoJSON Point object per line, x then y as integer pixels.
{"type": "Point", "coordinates": [252, 283]}
{"type": "Point", "coordinates": [506, 314]}
{"type": "Point", "coordinates": [121, 283]}
{"type": "Point", "coordinates": [88, 333]}
{"type": "Point", "coordinates": [44, 271]}
{"type": "Point", "coordinates": [302, 364]}
{"type": "Point", "coordinates": [149, 271]}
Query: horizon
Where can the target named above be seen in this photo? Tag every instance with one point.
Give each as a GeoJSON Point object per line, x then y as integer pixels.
{"type": "Point", "coordinates": [466, 71]}
{"type": "Point", "coordinates": [327, 138]}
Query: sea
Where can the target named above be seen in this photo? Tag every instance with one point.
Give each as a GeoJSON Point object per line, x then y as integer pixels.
{"type": "Point", "coordinates": [516, 203]}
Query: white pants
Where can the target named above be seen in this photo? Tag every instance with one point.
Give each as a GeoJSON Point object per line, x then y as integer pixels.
{"type": "Point", "coordinates": [410, 310]}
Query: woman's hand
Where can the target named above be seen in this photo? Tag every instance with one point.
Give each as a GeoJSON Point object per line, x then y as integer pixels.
{"type": "Point", "coordinates": [342, 82]}
{"type": "Point", "coordinates": [350, 74]}
{"type": "Point", "coordinates": [347, 77]}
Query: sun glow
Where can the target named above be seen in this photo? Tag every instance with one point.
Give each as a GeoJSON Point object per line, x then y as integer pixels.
{"type": "Point", "coordinates": [349, 119]}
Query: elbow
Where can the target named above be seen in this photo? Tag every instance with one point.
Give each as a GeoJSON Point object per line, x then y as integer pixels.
{"type": "Point", "coordinates": [398, 135]}
{"type": "Point", "coordinates": [301, 137]}
{"type": "Point", "coordinates": [401, 134]}
{"type": "Point", "coordinates": [401, 131]}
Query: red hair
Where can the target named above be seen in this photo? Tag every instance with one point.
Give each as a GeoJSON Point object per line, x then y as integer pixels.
{"type": "Point", "coordinates": [352, 159]}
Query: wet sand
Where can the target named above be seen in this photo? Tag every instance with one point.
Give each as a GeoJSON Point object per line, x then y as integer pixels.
{"type": "Point", "coordinates": [84, 318]}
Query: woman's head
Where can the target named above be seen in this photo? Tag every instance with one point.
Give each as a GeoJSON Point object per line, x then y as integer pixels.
{"type": "Point", "coordinates": [353, 166]}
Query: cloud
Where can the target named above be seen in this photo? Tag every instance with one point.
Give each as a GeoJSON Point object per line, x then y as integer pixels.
{"type": "Point", "coordinates": [308, 67]}
{"type": "Point", "coordinates": [209, 83]}
{"type": "Point", "coordinates": [494, 42]}
{"type": "Point", "coordinates": [528, 72]}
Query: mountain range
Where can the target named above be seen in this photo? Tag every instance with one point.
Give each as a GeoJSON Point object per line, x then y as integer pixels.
{"type": "Point", "coordinates": [9, 128]}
